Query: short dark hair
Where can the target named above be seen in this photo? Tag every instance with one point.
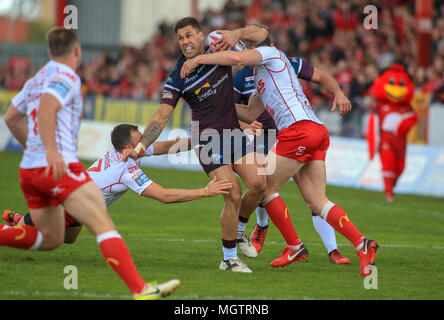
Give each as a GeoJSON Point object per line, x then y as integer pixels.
{"type": "Point", "coordinates": [61, 41]}
{"type": "Point", "coordinates": [266, 42]}
{"type": "Point", "coordinates": [121, 135]}
{"type": "Point", "coordinates": [187, 21]}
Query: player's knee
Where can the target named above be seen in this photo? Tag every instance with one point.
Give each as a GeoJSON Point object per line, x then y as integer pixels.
{"type": "Point", "coordinates": [233, 199]}
{"type": "Point", "coordinates": [52, 241]}
{"type": "Point", "coordinates": [258, 186]}
{"type": "Point", "coordinates": [315, 206]}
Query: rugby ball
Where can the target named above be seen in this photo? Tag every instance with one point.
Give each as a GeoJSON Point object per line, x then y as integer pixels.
{"type": "Point", "coordinates": [214, 36]}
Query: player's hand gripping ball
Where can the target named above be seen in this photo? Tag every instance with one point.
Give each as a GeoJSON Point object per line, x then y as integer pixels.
{"type": "Point", "coordinates": [214, 37]}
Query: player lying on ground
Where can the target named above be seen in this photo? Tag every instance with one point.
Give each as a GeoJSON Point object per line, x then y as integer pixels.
{"type": "Point", "coordinates": [45, 118]}
{"type": "Point", "coordinates": [301, 148]}
{"type": "Point", "coordinates": [114, 177]}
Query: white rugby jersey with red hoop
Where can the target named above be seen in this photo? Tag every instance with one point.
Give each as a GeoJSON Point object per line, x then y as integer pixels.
{"type": "Point", "coordinates": [281, 93]}
{"type": "Point", "coordinates": [64, 84]}
{"type": "Point", "coordinates": [302, 136]}
{"type": "Point", "coordinates": [115, 177]}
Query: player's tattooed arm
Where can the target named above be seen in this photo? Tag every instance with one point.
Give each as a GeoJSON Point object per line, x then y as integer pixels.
{"type": "Point", "coordinates": [151, 133]}
{"type": "Point", "coordinates": [153, 129]}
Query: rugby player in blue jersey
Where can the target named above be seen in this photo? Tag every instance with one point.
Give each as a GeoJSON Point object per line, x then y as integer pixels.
{"type": "Point", "coordinates": [223, 149]}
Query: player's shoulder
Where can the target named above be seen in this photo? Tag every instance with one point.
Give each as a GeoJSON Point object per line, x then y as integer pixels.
{"type": "Point", "coordinates": [244, 72]}
{"type": "Point", "coordinates": [242, 76]}
{"type": "Point", "coordinates": [174, 79]}
{"type": "Point", "coordinates": [62, 79]}
{"type": "Point", "coordinates": [296, 63]}
{"type": "Point", "coordinates": [269, 51]}
{"type": "Point", "coordinates": [61, 70]}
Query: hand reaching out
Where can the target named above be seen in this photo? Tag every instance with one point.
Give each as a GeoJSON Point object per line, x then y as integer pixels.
{"type": "Point", "coordinates": [342, 102]}
{"type": "Point", "coordinates": [218, 187]}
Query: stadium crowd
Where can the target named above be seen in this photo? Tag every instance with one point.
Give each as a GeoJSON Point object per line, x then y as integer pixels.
{"type": "Point", "coordinates": [329, 34]}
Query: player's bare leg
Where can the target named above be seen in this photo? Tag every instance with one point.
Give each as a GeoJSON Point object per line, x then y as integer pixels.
{"type": "Point", "coordinates": [260, 230]}
{"type": "Point", "coordinates": [314, 198]}
{"type": "Point", "coordinates": [47, 233]}
{"type": "Point", "coordinates": [50, 221]}
{"type": "Point", "coordinates": [229, 219]}
{"type": "Point", "coordinates": [16, 219]}
{"type": "Point", "coordinates": [248, 168]}
{"type": "Point", "coordinates": [280, 170]}
{"type": "Point", "coordinates": [87, 206]}
{"type": "Point", "coordinates": [312, 183]}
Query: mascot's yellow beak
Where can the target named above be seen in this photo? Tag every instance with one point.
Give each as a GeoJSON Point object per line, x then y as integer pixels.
{"type": "Point", "coordinates": [394, 92]}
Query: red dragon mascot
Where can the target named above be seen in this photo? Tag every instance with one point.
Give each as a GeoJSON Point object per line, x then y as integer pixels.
{"type": "Point", "coordinates": [390, 120]}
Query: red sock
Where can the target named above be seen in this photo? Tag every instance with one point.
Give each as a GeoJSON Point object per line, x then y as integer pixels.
{"type": "Point", "coordinates": [278, 212]}
{"type": "Point", "coordinates": [338, 219]}
{"type": "Point", "coordinates": [389, 183]}
{"type": "Point", "coordinates": [21, 237]}
{"type": "Point", "coordinates": [117, 255]}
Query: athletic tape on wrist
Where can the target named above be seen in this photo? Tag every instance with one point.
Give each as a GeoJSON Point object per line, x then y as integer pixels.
{"type": "Point", "coordinates": [139, 147]}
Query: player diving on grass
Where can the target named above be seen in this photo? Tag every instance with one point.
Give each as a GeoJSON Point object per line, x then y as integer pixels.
{"type": "Point", "coordinates": [114, 177]}
{"type": "Point", "coordinates": [301, 146]}
{"type": "Point", "coordinates": [45, 117]}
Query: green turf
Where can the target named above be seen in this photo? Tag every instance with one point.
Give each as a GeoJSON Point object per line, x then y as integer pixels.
{"type": "Point", "coordinates": [183, 241]}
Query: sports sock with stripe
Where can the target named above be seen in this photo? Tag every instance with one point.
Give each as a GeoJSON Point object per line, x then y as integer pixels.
{"type": "Point", "coordinates": [339, 220]}
{"type": "Point", "coordinates": [21, 237]}
{"type": "Point", "coordinates": [117, 255]}
{"type": "Point", "coordinates": [278, 212]}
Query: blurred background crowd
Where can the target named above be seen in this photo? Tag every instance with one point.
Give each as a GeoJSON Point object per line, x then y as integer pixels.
{"type": "Point", "coordinates": [329, 34]}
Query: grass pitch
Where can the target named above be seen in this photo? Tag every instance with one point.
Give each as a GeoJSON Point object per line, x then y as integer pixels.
{"type": "Point", "coordinates": [183, 241]}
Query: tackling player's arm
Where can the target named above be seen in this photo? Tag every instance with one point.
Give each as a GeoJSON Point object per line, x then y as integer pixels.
{"type": "Point", "coordinates": [166, 195]}
{"type": "Point", "coordinates": [47, 119]}
{"type": "Point", "coordinates": [16, 122]}
{"type": "Point", "coordinates": [154, 127]}
{"type": "Point", "coordinates": [251, 33]}
{"type": "Point", "coordinates": [250, 113]}
{"type": "Point", "coordinates": [329, 84]}
{"type": "Point", "coordinates": [171, 146]}
{"type": "Point", "coordinates": [226, 58]}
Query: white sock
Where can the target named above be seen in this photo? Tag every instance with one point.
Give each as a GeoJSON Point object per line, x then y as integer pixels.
{"type": "Point", "coordinates": [262, 217]}
{"type": "Point", "coordinates": [326, 232]}
{"type": "Point", "coordinates": [229, 253]}
{"type": "Point", "coordinates": [241, 226]}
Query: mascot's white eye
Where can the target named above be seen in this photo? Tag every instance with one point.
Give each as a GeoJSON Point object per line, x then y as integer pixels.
{"type": "Point", "coordinates": [402, 82]}
{"type": "Point", "coordinates": [392, 80]}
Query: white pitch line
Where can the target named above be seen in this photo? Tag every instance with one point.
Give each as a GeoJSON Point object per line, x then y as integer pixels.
{"type": "Point", "coordinates": [73, 294]}
{"type": "Point", "coordinates": [313, 244]}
